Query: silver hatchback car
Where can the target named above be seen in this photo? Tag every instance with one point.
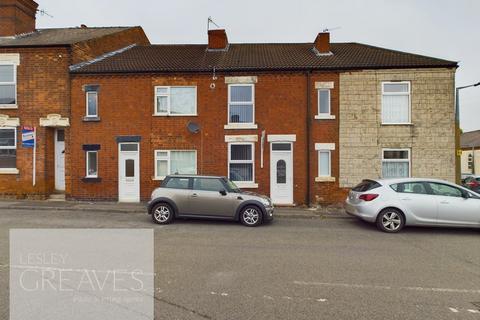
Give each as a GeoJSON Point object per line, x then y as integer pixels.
{"type": "Point", "coordinates": [209, 197]}
{"type": "Point", "coordinates": [395, 203]}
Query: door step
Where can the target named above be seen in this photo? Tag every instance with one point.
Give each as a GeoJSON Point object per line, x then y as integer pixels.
{"type": "Point", "coordinates": [57, 197]}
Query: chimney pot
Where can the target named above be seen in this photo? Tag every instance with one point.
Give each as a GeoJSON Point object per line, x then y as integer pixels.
{"type": "Point", "coordinates": [17, 17]}
{"type": "Point", "coordinates": [322, 42]}
{"type": "Point", "coordinates": [217, 39]}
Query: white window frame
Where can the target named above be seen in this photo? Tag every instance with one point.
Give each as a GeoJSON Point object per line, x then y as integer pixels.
{"type": "Point", "coordinates": [14, 65]}
{"type": "Point", "coordinates": [87, 163]}
{"type": "Point", "coordinates": [168, 95]}
{"type": "Point", "coordinates": [241, 125]}
{"type": "Point", "coordinates": [324, 115]}
{"type": "Point", "coordinates": [168, 159]}
{"type": "Point", "coordinates": [398, 160]}
{"type": "Point", "coordinates": [398, 94]}
{"type": "Point", "coordinates": [14, 147]}
{"type": "Point", "coordinates": [230, 161]}
{"type": "Point", "coordinates": [329, 175]}
{"type": "Point", "coordinates": [96, 103]}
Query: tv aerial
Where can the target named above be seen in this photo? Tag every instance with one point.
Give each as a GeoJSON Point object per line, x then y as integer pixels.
{"type": "Point", "coordinates": [43, 12]}
{"type": "Point", "coordinates": [331, 29]}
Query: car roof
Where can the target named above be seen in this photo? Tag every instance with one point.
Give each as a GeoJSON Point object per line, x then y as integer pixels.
{"type": "Point", "coordinates": [403, 180]}
{"type": "Point", "coordinates": [193, 176]}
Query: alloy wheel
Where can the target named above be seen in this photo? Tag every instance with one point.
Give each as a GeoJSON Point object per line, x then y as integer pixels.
{"type": "Point", "coordinates": [251, 216]}
{"type": "Point", "coordinates": [162, 213]}
{"type": "Point", "coordinates": [391, 221]}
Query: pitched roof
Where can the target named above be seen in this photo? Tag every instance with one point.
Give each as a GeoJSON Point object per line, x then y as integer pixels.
{"type": "Point", "coordinates": [257, 56]}
{"type": "Point", "coordinates": [58, 36]}
{"type": "Point", "coordinates": [470, 139]}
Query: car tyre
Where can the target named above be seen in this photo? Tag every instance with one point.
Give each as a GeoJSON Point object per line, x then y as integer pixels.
{"type": "Point", "coordinates": [390, 220]}
{"type": "Point", "coordinates": [251, 216]}
{"type": "Point", "coordinates": [162, 213]}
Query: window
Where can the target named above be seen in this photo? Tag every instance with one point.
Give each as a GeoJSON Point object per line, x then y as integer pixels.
{"type": "Point", "coordinates": [324, 163]}
{"type": "Point", "coordinates": [281, 172]}
{"type": "Point", "coordinates": [410, 187]}
{"type": "Point", "coordinates": [324, 102]}
{"type": "Point", "coordinates": [396, 163]}
{"type": "Point", "coordinates": [241, 104]}
{"type": "Point", "coordinates": [439, 189]}
{"type": "Point", "coordinates": [396, 102]}
{"type": "Point", "coordinates": [206, 184]}
{"type": "Point", "coordinates": [240, 163]}
{"type": "Point", "coordinates": [177, 183]}
{"type": "Point", "coordinates": [366, 185]}
{"type": "Point", "coordinates": [175, 162]}
{"type": "Point", "coordinates": [8, 87]}
{"type": "Point", "coordinates": [92, 104]}
{"type": "Point", "coordinates": [92, 164]}
{"type": "Point", "coordinates": [176, 101]}
{"type": "Point", "coordinates": [281, 146]}
{"type": "Point", "coordinates": [8, 148]}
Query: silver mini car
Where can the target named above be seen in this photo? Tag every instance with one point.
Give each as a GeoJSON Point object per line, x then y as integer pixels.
{"type": "Point", "coordinates": [207, 197]}
{"type": "Point", "coordinates": [395, 203]}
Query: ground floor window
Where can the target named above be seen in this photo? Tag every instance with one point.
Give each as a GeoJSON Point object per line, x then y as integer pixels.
{"type": "Point", "coordinates": [8, 148]}
{"type": "Point", "coordinates": [92, 164]}
{"type": "Point", "coordinates": [396, 163]}
{"type": "Point", "coordinates": [175, 162]}
{"type": "Point", "coordinates": [241, 162]}
{"type": "Point", "coordinates": [324, 163]}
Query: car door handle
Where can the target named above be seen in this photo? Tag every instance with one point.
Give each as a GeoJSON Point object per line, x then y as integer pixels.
{"type": "Point", "coordinates": [194, 195]}
{"type": "Point", "coordinates": [444, 202]}
{"type": "Point", "coordinates": [407, 199]}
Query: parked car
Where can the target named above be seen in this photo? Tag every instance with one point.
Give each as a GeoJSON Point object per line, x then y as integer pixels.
{"type": "Point", "coordinates": [395, 203]}
{"type": "Point", "coordinates": [472, 183]}
{"type": "Point", "coordinates": [208, 197]}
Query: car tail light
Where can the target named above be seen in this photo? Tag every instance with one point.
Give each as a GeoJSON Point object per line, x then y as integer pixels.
{"type": "Point", "coordinates": [368, 197]}
{"type": "Point", "coordinates": [473, 183]}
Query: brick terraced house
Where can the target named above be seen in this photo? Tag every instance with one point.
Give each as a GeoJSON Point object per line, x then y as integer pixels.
{"type": "Point", "coordinates": [301, 122]}
{"type": "Point", "coordinates": [35, 92]}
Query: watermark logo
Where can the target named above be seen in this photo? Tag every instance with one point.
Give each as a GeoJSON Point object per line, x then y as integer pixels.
{"type": "Point", "coordinates": [81, 274]}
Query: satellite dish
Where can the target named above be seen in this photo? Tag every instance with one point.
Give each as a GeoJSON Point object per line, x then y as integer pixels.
{"type": "Point", "coordinates": [193, 127]}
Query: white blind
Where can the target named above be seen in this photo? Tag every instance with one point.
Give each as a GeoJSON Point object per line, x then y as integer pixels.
{"type": "Point", "coordinates": [395, 109]}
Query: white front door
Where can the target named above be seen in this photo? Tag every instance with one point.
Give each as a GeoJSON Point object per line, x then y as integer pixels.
{"type": "Point", "coordinates": [128, 172]}
{"type": "Point", "coordinates": [281, 172]}
{"type": "Point", "coordinates": [60, 159]}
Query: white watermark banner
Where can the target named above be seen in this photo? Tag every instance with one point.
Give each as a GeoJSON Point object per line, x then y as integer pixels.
{"type": "Point", "coordinates": [81, 274]}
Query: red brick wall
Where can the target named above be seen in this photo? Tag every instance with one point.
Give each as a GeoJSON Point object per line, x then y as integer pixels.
{"type": "Point", "coordinates": [17, 17]}
{"type": "Point", "coordinates": [87, 50]}
{"type": "Point", "coordinates": [43, 87]}
{"type": "Point", "coordinates": [126, 106]}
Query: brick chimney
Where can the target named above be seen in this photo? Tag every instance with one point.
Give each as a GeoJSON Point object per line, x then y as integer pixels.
{"type": "Point", "coordinates": [322, 43]}
{"type": "Point", "coordinates": [17, 17]}
{"type": "Point", "coordinates": [217, 39]}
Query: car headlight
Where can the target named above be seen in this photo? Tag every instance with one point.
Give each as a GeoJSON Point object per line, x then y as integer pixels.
{"type": "Point", "coordinates": [266, 202]}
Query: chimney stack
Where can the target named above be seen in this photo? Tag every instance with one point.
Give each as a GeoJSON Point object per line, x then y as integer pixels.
{"type": "Point", "coordinates": [322, 43]}
{"type": "Point", "coordinates": [217, 39]}
{"type": "Point", "coordinates": [17, 17]}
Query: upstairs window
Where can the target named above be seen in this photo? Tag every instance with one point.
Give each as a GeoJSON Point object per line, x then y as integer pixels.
{"type": "Point", "coordinates": [324, 102]}
{"type": "Point", "coordinates": [241, 104]}
{"type": "Point", "coordinates": [175, 101]}
{"type": "Point", "coordinates": [92, 104]}
{"type": "Point", "coordinates": [396, 163]}
{"type": "Point", "coordinates": [8, 148]}
{"type": "Point", "coordinates": [396, 103]}
{"type": "Point", "coordinates": [8, 85]}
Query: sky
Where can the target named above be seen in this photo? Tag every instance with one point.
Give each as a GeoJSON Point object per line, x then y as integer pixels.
{"type": "Point", "coordinates": [447, 29]}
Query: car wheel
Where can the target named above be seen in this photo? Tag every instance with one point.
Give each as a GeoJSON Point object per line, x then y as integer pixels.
{"type": "Point", "coordinates": [251, 216]}
{"type": "Point", "coordinates": [390, 220]}
{"type": "Point", "coordinates": [162, 213]}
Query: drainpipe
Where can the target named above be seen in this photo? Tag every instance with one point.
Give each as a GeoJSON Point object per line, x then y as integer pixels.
{"type": "Point", "coordinates": [309, 136]}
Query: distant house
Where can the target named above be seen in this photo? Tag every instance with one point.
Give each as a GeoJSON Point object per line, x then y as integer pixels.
{"type": "Point", "coordinates": [470, 144]}
{"type": "Point", "coordinates": [35, 92]}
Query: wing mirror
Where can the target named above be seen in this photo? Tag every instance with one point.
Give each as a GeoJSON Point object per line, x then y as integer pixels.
{"type": "Point", "coordinates": [465, 194]}
{"type": "Point", "coordinates": [223, 192]}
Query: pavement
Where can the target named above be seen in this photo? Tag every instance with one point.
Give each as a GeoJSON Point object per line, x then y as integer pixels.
{"type": "Point", "coordinates": [280, 212]}
{"type": "Point", "coordinates": [289, 268]}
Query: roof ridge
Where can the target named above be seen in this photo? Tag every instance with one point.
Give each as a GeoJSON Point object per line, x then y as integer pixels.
{"type": "Point", "coordinates": [100, 58]}
{"type": "Point", "coordinates": [86, 28]}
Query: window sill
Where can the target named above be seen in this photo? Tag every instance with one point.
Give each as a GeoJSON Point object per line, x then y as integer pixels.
{"type": "Point", "coordinates": [8, 106]}
{"type": "Point", "coordinates": [234, 126]}
{"type": "Point", "coordinates": [174, 115]}
{"type": "Point", "coordinates": [158, 178]}
{"type": "Point", "coordinates": [91, 119]}
{"type": "Point", "coordinates": [397, 124]}
{"type": "Point", "coordinates": [248, 185]}
{"type": "Point", "coordinates": [324, 117]}
{"type": "Point", "coordinates": [91, 180]}
{"type": "Point", "coordinates": [325, 179]}
{"type": "Point", "coordinates": [9, 171]}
